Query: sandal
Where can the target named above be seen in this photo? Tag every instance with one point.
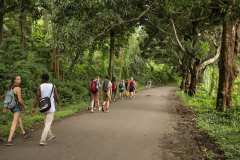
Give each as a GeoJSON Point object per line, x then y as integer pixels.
{"type": "Point", "coordinates": [26, 136]}
{"type": "Point", "coordinates": [9, 144]}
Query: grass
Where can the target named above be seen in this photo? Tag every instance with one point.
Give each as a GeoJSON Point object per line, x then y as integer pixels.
{"type": "Point", "coordinates": [224, 127]}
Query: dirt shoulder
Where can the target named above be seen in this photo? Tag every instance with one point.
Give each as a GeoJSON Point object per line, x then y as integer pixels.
{"type": "Point", "coordinates": [188, 141]}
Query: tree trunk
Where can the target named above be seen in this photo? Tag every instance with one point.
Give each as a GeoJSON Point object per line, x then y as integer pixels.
{"type": "Point", "coordinates": [182, 86]}
{"type": "Point", "coordinates": [122, 56]}
{"type": "Point", "coordinates": [22, 22]}
{"type": "Point", "coordinates": [227, 69]}
{"type": "Point", "coordinates": [194, 78]}
{"type": "Point", "coordinates": [187, 82]}
{"type": "Point", "coordinates": [111, 56]}
{"type": "Point", "coordinates": [55, 65]}
{"type": "Point", "coordinates": [1, 19]}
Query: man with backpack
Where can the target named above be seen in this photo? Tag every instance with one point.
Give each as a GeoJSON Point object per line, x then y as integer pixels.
{"type": "Point", "coordinates": [121, 87]}
{"type": "Point", "coordinates": [107, 92]}
{"type": "Point", "coordinates": [47, 97]}
{"type": "Point", "coordinates": [94, 91]}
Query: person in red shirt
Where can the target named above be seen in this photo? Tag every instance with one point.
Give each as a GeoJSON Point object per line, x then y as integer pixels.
{"type": "Point", "coordinates": [132, 87]}
{"type": "Point", "coordinates": [114, 90]}
{"type": "Point", "coordinates": [94, 87]}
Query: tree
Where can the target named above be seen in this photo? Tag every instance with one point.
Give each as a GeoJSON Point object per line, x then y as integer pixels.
{"type": "Point", "coordinates": [1, 19]}
{"type": "Point", "coordinates": [229, 51]}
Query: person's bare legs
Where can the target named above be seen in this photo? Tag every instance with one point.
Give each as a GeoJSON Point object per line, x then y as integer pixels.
{"type": "Point", "coordinates": [108, 102]}
{"type": "Point", "coordinates": [15, 121]}
{"type": "Point", "coordinates": [131, 95]}
{"type": "Point", "coordinates": [97, 101]}
{"type": "Point", "coordinates": [120, 95]}
{"type": "Point", "coordinates": [108, 105]}
{"type": "Point", "coordinates": [104, 105]}
{"type": "Point", "coordinates": [21, 125]}
{"type": "Point", "coordinates": [92, 102]}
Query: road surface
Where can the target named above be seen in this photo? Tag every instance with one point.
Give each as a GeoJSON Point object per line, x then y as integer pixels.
{"type": "Point", "coordinates": [133, 130]}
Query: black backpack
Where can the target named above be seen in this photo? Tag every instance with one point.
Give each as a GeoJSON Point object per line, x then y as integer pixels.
{"type": "Point", "coordinates": [45, 102]}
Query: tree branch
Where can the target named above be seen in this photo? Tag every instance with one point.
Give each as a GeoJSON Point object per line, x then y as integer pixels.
{"type": "Point", "coordinates": [110, 27]}
{"type": "Point", "coordinates": [211, 60]}
{"type": "Point", "coordinates": [177, 56]}
{"type": "Point", "coordinates": [176, 36]}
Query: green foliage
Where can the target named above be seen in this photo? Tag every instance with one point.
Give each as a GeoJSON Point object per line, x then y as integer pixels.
{"type": "Point", "coordinates": [224, 127]}
{"type": "Point", "coordinates": [145, 48]}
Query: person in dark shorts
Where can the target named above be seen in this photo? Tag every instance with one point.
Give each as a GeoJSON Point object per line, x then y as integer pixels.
{"type": "Point", "coordinates": [121, 88]}
{"type": "Point", "coordinates": [132, 87]}
{"type": "Point", "coordinates": [126, 89]}
{"type": "Point", "coordinates": [15, 86]}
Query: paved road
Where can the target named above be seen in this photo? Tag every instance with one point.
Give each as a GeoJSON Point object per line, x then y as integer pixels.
{"type": "Point", "coordinates": [133, 130]}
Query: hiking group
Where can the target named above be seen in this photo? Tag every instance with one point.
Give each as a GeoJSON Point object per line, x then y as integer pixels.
{"type": "Point", "coordinates": [108, 90]}
{"type": "Point", "coordinates": [47, 97]}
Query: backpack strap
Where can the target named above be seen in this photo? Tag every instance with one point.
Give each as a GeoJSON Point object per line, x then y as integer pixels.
{"type": "Point", "coordinates": [51, 91]}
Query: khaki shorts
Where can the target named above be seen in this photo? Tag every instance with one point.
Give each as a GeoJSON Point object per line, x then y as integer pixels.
{"type": "Point", "coordinates": [106, 96]}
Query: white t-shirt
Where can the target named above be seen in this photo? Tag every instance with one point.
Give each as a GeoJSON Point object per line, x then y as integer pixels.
{"type": "Point", "coordinates": [109, 86]}
{"type": "Point", "coordinates": [46, 89]}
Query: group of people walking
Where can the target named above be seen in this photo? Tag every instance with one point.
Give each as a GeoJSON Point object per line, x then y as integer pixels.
{"type": "Point", "coordinates": [109, 91]}
{"type": "Point", "coordinates": [46, 99]}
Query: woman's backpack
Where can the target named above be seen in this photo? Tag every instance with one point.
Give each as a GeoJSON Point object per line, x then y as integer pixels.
{"type": "Point", "coordinates": [94, 86]}
{"type": "Point", "coordinates": [114, 87]}
{"type": "Point", "coordinates": [45, 102]}
{"type": "Point", "coordinates": [105, 85]}
{"type": "Point", "coordinates": [121, 86]}
{"type": "Point", "coordinates": [132, 85]}
{"type": "Point", "coordinates": [9, 100]}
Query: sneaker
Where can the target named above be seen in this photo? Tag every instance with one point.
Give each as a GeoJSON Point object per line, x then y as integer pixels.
{"type": "Point", "coordinates": [92, 111]}
{"type": "Point", "coordinates": [51, 138]}
{"type": "Point", "coordinates": [43, 144]}
{"type": "Point", "coordinates": [99, 109]}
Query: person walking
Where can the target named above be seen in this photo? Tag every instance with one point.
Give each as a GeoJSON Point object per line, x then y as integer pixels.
{"type": "Point", "coordinates": [132, 87]}
{"type": "Point", "coordinates": [107, 92]}
{"type": "Point", "coordinates": [49, 90]}
{"type": "Point", "coordinates": [89, 93]}
{"type": "Point", "coordinates": [94, 90]}
{"type": "Point", "coordinates": [114, 89]}
{"type": "Point", "coordinates": [14, 102]}
{"type": "Point", "coordinates": [126, 89]}
{"type": "Point", "coordinates": [121, 88]}
{"type": "Point", "coordinates": [98, 94]}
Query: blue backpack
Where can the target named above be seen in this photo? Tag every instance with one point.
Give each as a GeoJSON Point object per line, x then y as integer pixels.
{"type": "Point", "coordinates": [9, 100]}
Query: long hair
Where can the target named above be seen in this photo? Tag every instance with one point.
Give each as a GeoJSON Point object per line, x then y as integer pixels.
{"type": "Point", "coordinates": [12, 82]}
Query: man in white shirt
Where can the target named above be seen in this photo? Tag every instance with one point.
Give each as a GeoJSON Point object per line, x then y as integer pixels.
{"type": "Point", "coordinates": [48, 89]}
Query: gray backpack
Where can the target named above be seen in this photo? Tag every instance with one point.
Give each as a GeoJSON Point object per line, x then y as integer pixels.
{"type": "Point", "coordinates": [105, 85]}
{"type": "Point", "coordinates": [9, 100]}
